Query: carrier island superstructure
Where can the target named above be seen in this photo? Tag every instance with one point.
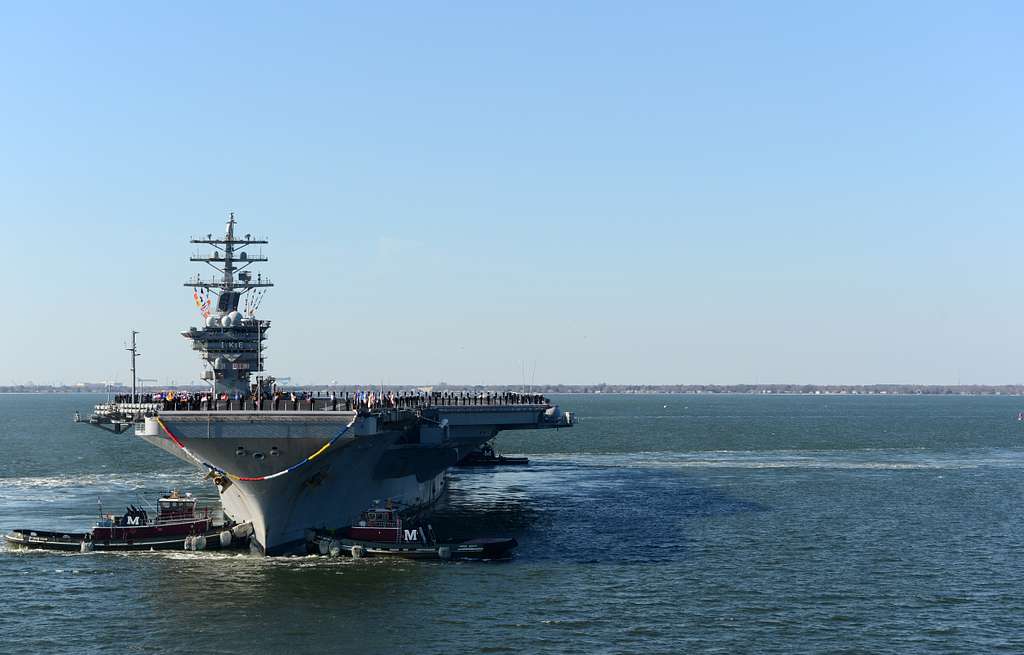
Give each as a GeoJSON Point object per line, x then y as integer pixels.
{"type": "Point", "coordinates": [291, 465]}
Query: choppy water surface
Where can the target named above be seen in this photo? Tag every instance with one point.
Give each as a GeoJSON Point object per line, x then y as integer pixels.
{"type": "Point", "coordinates": [659, 524]}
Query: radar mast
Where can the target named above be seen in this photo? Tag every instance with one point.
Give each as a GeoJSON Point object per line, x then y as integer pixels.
{"type": "Point", "coordinates": [230, 341]}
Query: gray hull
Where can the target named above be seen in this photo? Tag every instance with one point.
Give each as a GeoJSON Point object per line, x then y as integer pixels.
{"type": "Point", "coordinates": [328, 492]}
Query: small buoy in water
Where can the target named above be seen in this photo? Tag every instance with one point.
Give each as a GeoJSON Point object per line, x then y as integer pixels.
{"type": "Point", "coordinates": [334, 548]}
{"type": "Point", "coordinates": [445, 552]}
{"type": "Point", "coordinates": [86, 547]}
{"type": "Point", "coordinates": [664, 406]}
{"type": "Point", "coordinates": [357, 552]}
{"type": "Point", "coordinates": [321, 546]}
{"type": "Point", "coordinates": [225, 538]}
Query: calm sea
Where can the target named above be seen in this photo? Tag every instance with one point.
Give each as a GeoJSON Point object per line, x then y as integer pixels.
{"type": "Point", "coordinates": [660, 524]}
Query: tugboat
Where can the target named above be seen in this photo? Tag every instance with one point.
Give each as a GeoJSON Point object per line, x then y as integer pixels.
{"type": "Point", "coordinates": [380, 533]}
{"type": "Point", "coordinates": [485, 456]}
{"type": "Point", "coordinates": [178, 524]}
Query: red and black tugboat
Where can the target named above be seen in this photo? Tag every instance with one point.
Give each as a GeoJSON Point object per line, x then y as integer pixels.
{"type": "Point", "coordinates": [178, 523]}
{"type": "Point", "coordinates": [381, 533]}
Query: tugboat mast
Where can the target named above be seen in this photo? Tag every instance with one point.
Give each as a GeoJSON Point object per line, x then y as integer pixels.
{"type": "Point", "coordinates": [230, 342]}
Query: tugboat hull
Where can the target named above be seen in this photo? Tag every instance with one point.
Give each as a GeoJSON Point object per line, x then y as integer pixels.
{"type": "Point", "coordinates": [83, 542]}
{"type": "Point", "coordinates": [478, 549]}
{"type": "Point", "coordinates": [44, 540]}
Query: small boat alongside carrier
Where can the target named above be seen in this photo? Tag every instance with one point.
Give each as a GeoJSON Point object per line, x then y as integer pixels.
{"type": "Point", "coordinates": [178, 523]}
{"type": "Point", "coordinates": [484, 455]}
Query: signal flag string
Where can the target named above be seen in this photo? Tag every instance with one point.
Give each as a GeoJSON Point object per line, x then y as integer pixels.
{"type": "Point", "coordinates": [260, 478]}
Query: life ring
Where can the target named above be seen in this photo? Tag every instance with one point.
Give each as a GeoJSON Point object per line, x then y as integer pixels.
{"type": "Point", "coordinates": [224, 396]}
{"type": "Point", "coordinates": [170, 395]}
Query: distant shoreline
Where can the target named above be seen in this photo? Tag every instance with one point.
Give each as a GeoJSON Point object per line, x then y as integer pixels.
{"type": "Point", "coordinates": [601, 389]}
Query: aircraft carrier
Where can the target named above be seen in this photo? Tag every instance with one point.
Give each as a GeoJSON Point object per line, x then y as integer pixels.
{"type": "Point", "coordinates": [290, 463]}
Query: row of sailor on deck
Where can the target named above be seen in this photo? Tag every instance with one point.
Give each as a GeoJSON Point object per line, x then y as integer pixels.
{"type": "Point", "coordinates": [331, 400]}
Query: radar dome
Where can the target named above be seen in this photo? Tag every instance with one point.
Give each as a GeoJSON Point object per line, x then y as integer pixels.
{"type": "Point", "coordinates": [236, 318]}
{"type": "Point", "coordinates": [211, 321]}
{"type": "Point", "coordinates": [225, 320]}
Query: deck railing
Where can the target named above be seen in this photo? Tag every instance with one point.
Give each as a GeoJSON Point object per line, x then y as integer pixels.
{"type": "Point", "coordinates": [332, 401]}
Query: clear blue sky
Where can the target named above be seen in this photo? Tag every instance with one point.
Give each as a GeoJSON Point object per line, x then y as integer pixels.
{"type": "Point", "coordinates": [623, 192]}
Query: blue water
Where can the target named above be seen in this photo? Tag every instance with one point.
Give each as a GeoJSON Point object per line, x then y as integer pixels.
{"type": "Point", "coordinates": [660, 524]}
